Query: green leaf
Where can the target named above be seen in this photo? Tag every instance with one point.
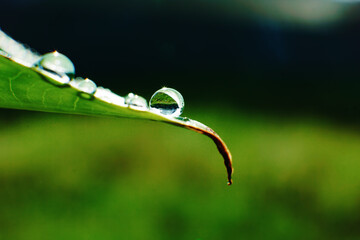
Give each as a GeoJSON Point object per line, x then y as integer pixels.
{"type": "Point", "coordinates": [22, 87]}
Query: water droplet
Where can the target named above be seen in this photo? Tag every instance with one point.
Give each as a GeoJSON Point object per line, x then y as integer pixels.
{"type": "Point", "coordinates": [167, 101]}
{"type": "Point", "coordinates": [106, 95]}
{"type": "Point", "coordinates": [184, 119]}
{"type": "Point", "coordinates": [57, 66]}
{"type": "Point", "coordinates": [4, 54]}
{"type": "Point", "coordinates": [16, 51]}
{"type": "Point", "coordinates": [136, 102]}
{"type": "Point", "coordinates": [58, 63]}
{"type": "Point", "coordinates": [83, 85]}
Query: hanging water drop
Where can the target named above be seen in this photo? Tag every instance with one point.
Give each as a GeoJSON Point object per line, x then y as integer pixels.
{"type": "Point", "coordinates": [136, 102]}
{"type": "Point", "coordinates": [83, 85]}
{"type": "Point", "coordinates": [57, 66]}
{"type": "Point", "coordinates": [167, 101]}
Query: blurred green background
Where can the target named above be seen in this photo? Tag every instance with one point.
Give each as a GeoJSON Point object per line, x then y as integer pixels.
{"type": "Point", "coordinates": [278, 80]}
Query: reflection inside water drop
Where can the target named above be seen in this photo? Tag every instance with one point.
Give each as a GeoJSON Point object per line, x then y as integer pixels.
{"type": "Point", "coordinates": [167, 101]}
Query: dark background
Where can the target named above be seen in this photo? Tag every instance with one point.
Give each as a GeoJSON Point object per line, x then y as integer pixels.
{"type": "Point", "coordinates": [277, 79]}
{"type": "Point", "coordinates": [208, 50]}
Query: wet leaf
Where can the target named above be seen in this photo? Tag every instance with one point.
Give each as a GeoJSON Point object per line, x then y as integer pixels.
{"type": "Point", "coordinates": [35, 88]}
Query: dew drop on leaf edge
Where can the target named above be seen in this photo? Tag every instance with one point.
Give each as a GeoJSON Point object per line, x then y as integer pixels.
{"type": "Point", "coordinates": [167, 101]}
{"type": "Point", "coordinates": [57, 63]}
{"type": "Point", "coordinates": [83, 85]}
{"type": "Point", "coordinates": [106, 95]}
{"type": "Point", "coordinates": [135, 101]}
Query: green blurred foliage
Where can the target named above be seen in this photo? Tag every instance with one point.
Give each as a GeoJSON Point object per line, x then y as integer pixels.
{"type": "Point", "coordinates": [74, 177]}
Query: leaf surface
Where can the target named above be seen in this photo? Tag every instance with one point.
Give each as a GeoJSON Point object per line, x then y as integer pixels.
{"type": "Point", "coordinates": [25, 88]}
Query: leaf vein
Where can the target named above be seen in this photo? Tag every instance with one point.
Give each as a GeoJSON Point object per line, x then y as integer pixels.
{"type": "Point", "coordinates": [43, 97]}
{"type": "Point", "coordinates": [11, 87]}
{"type": "Point", "coordinates": [60, 101]}
{"type": "Point", "coordinates": [28, 91]}
{"type": "Point", "coordinates": [75, 102]}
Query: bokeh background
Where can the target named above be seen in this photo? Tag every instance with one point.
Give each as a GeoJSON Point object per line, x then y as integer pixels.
{"type": "Point", "coordinates": [277, 79]}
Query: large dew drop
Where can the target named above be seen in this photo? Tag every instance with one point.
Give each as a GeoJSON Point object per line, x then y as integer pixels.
{"type": "Point", "coordinates": [57, 66]}
{"type": "Point", "coordinates": [58, 63]}
{"type": "Point", "coordinates": [167, 101]}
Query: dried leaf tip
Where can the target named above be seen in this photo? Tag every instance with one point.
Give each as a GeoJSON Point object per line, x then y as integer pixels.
{"type": "Point", "coordinates": [229, 168]}
{"type": "Point", "coordinates": [220, 144]}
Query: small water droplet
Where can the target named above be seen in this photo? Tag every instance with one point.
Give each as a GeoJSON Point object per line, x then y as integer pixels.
{"type": "Point", "coordinates": [57, 66]}
{"type": "Point", "coordinates": [83, 85]}
{"type": "Point", "coordinates": [129, 97]}
{"type": "Point", "coordinates": [136, 102]}
{"type": "Point", "coordinates": [106, 95]}
{"type": "Point", "coordinates": [167, 101]}
{"type": "Point", "coordinates": [184, 119]}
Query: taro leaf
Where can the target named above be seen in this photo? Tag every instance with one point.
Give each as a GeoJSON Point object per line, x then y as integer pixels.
{"type": "Point", "coordinates": [25, 88]}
